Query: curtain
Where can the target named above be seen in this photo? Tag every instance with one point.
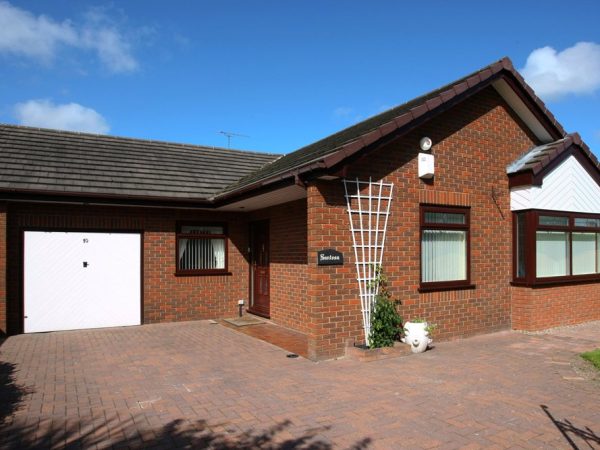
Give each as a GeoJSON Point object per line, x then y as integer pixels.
{"type": "Point", "coordinates": [201, 254]}
{"type": "Point", "coordinates": [552, 253]}
{"type": "Point", "coordinates": [584, 253]}
{"type": "Point", "coordinates": [218, 246]}
{"type": "Point", "coordinates": [182, 246]}
{"type": "Point", "coordinates": [443, 255]}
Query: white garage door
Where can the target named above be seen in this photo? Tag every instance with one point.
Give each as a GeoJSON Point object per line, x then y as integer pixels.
{"type": "Point", "coordinates": [81, 280]}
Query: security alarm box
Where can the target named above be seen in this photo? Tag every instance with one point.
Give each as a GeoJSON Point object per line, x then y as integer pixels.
{"type": "Point", "coordinates": [426, 165]}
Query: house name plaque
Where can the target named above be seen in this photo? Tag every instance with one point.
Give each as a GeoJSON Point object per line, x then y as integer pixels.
{"type": "Point", "coordinates": [330, 257]}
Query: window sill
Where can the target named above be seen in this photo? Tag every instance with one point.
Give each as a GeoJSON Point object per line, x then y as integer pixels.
{"type": "Point", "coordinates": [556, 282]}
{"type": "Point", "coordinates": [203, 274]}
{"type": "Point", "coordinates": [441, 287]}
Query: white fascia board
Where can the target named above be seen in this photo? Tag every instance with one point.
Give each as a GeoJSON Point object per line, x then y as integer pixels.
{"type": "Point", "coordinates": [521, 109]}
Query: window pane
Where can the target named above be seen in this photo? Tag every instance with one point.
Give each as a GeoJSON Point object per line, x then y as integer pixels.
{"type": "Point", "coordinates": [442, 217]}
{"type": "Point", "coordinates": [559, 221]}
{"type": "Point", "coordinates": [201, 229]}
{"type": "Point", "coordinates": [443, 255]}
{"type": "Point", "coordinates": [201, 254]}
{"type": "Point", "coordinates": [552, 253]}
{"type": "Point", "coordinates": [584, 253]}
{"type": "Point", "coordinates": [520, 245]}
{"type": "Point", "coordinates": [585, 222]}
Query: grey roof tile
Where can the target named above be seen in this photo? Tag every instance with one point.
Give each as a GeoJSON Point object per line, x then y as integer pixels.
{"type": "Point", "coordinates": [61, 161]}
{"type": "Point", "coordinates": [536, 159]}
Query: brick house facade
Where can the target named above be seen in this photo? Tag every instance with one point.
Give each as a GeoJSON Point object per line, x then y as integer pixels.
{"type": "Point", "coordinates": [479, 125]}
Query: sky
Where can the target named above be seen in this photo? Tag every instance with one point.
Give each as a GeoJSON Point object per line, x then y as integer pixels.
{"type": "Point", "coordinates": [282, 74]}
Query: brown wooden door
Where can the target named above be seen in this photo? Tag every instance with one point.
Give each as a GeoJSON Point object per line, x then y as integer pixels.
{"type": "Point", "coordinates": [259, 269]}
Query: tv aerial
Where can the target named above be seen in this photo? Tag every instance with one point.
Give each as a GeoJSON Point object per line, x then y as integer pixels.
{"type": "Point", "coordinates": [231, 134]}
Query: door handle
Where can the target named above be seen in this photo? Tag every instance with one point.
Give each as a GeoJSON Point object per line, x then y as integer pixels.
{"type": "Point", "coordinates": [85, 264]}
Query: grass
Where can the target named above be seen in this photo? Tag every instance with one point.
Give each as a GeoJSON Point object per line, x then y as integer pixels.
{"type": "Point", "coordinates": [593, 357]}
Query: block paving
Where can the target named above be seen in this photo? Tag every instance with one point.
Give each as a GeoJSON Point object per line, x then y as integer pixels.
{"type": "Point", "coordinates": [202, 385]}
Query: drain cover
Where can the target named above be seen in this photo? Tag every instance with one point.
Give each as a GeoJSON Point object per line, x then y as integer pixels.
{"type": "Point", "coordinates": [292, 355]}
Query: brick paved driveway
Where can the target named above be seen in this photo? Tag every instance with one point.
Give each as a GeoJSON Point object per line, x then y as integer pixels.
{"type": "Point", "coordinates": [200, 385]}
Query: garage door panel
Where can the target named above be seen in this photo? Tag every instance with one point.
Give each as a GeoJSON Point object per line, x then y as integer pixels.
{"type": "Point", "coordinates": [63, 293]}
{"type": "Point", "coordinates": [115, 279]}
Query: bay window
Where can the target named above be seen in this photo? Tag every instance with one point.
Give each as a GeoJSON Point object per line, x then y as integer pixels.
{"type": "Point", "coordinates": [552, 253]}
{"type": "Point", "coordinates": [444, 247]}
{"type": "Point", "coordinates": [201, 249]}
{"type": "Point", "coordinates": [554, 247]}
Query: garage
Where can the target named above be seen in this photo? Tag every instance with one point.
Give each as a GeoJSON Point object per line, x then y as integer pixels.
{"type": "Point", "coordinates": [80, 280]}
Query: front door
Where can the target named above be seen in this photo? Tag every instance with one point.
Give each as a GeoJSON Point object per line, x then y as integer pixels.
{"type": "Point", "coordinates": [259, 269]}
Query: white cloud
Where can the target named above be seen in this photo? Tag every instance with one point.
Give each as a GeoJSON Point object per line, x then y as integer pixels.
{"type": "Point", "coordinates": [342, 111]}
{"type": "Point", "coordinates": [575, 70]}
{"type": "Point", "coordinates": [346, 115]}
{"type": "Point", "coordinates": [112, 49]}
{"type": "Point", "coordinates": [102, 35]}
{"type": "Point", "coordinates": [36, 37]}
{"type": "Point", "coordinates": [70, 116]}
{"type": "Point", "coordinates": [40, 38]}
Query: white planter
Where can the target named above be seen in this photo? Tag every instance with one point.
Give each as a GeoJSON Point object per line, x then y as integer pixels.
{"type": "Point", "coordinates": [417, 336]}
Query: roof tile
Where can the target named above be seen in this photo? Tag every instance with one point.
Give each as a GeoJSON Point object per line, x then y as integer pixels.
{"type": "Point", "coordinates": [52, 160]}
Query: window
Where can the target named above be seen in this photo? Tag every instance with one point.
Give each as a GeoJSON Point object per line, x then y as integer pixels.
{"type": "Point", "coordinates": [201, 249]}
{"type": "Point", "coordinates": [552, 253]}
{"type": "Point", "coordinates": [444, 247]}
{"type": "Point", "coordinates": [520, 241]}
{"type": "Point", "coordinates": [551, 247]}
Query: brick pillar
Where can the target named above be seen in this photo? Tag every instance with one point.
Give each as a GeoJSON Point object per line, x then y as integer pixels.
{"type": "Point", "coordinates": [332, 291]}
{"type": "Point", "coordinates": [3, 321]}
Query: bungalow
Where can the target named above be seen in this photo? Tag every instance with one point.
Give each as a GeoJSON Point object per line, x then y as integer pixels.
{"type": "Point", "coordinates": [482, 210]}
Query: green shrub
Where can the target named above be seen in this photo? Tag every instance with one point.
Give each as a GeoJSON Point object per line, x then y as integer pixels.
{"type": "Point", "coordinates": [385, 323]}
{"type": "Point", "coordinates": [385, 320]}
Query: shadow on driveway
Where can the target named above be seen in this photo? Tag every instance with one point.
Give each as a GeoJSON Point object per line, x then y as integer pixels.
{"type": "Point", "coordinates": [570, 431]}
{"type": "Point", "coordinates": [176, 434]}
{"type": "Point", "coordinates": [11, 393]}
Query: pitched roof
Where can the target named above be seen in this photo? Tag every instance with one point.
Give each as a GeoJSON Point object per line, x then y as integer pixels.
{"type": "Point", "coordinates": [40, 160]}
{"type": "Point", "coordinates": [360, 135]}
{"type": "Point", "coordinates": [79, 163]}
{"type": "Point", "coordinates": [535, 162]}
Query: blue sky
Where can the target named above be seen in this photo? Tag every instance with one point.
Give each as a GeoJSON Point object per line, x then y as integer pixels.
{"type": "Point", "coordinates": [284, 73]}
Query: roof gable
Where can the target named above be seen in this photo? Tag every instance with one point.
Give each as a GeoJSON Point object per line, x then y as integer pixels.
{"type": "Point", "coordinates": [568, 187]}
{"type": "Point", "coordinates": [333, 150]}
{"type": "Point", "coordinates": [535, 164]}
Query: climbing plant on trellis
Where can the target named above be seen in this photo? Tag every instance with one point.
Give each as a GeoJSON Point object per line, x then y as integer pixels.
{"type": "Point", "coordinates": [368, 205]}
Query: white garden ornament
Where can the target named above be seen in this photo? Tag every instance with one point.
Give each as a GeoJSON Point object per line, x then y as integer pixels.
{"type": "Point", "coordinates": [416, 335]}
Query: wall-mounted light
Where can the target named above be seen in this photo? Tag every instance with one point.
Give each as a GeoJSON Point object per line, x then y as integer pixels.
{"type": "Point", "coordinates": [425, 143]}
{"type": "Point", "coordinates": [426, 160]}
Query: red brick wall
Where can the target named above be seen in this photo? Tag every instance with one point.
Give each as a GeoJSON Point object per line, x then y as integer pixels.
{"type": "Point", "coordinates": [166, 297]}
{"type": "Point", "coordinates": [3, 325]}
{"type": "Point", "coordinates": [288, 264]}
{"type": "Point", "coordinates": [542, 308]}
{"type": "Point", "coordinates": [332, 295]}
{"type": "Point", "coordinates": [473, 143]}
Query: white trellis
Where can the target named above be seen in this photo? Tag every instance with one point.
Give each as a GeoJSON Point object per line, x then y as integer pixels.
{"type": "Point", "coordinates": [368, 210]}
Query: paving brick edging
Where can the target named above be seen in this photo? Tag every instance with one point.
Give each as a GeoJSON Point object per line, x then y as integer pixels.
{"type": "Point", "coordinates": [376, 354]}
